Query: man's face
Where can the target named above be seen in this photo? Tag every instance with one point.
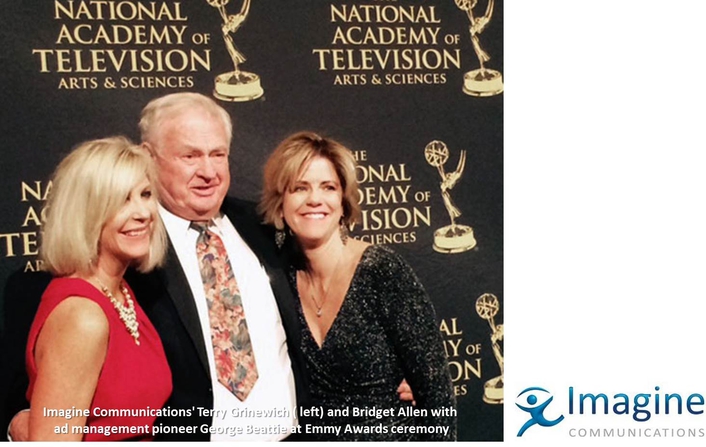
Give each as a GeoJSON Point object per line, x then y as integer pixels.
{"type": "Point", "coordinates": [191, 154]}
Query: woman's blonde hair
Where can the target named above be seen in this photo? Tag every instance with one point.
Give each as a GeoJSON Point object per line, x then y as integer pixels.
{"type": "Point", "coordinates": [288, 161]}
{"type": "Point", "coordinates": [89, 187]}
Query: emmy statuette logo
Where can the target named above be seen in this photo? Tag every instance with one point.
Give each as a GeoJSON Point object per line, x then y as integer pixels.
{"type": "Point", "coordinates": [487, 307]}
{"type": "Point", "coordinates": [452, 238]}
{"type": "Point", "coordinates": [482, 81]}
{"type": "Point", "coordinates": [236, 85]}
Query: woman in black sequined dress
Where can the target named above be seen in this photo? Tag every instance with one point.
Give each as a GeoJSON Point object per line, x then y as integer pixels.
{"type": "Point", "coordinates": [367, 322]}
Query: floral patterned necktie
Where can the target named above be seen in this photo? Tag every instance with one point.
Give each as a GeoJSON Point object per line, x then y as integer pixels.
{"type": "Point", "coordinates": [232, 349]}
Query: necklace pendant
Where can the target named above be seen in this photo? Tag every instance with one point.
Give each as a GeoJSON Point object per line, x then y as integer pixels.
{"type": "Point", "coordinates": [318, 313]}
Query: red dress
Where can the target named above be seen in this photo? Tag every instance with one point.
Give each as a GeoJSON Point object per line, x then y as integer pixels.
{"type": "Point", "coordinates": [134, 379]}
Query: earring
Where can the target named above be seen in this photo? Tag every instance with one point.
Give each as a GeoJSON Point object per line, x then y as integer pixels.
{"type": "Point", "coordinates": [343, 231]}
{"type": "Point", "coordinates": [280, 235]}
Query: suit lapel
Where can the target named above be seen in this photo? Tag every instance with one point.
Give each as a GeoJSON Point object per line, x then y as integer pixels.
{"type": "Point", "coordinates": [173, 278]}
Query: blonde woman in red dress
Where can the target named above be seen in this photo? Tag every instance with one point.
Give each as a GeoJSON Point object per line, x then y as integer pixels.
{"type": "Point", "coordinates": [95, 362]}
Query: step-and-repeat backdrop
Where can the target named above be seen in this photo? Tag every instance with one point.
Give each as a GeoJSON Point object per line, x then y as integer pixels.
{"type": "Point", "coordinates": [413, 87]}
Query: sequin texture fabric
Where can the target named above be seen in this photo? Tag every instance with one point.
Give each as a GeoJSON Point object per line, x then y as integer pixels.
{"type": "Point", "coordinates": [385, 331]}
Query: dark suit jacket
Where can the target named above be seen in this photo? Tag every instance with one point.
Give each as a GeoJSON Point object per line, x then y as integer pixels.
{"type": "Point", "coordinates": [22, 294]}
{"type": "Point", "coordinates": [166, 298]}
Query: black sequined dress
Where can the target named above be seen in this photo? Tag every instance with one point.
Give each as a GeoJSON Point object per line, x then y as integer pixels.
{"type": "Point", "coordinates": [385, 331]}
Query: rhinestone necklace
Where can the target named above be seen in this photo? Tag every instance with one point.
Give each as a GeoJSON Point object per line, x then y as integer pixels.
{"type": "Point", "coordinates": [127, 313]}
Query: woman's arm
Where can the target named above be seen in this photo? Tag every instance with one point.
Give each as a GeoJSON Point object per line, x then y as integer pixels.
{"type": "Point", "coordinates": [411, 324]}
{"type": "Point", "coordinates": [69, 355]}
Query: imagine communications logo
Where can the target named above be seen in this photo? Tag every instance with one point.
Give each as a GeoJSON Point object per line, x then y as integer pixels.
{"type": "Point", "coordinates": [534, 400]}
{"type": "Point", "coordinates": [633, 409]}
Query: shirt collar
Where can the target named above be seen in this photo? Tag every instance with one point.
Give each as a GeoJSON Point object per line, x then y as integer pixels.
{"type": "Point", "coordinates": [178, 226]}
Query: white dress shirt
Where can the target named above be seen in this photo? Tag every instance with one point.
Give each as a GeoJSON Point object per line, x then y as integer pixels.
{"type": "Point", "coordinates": [268, 413]}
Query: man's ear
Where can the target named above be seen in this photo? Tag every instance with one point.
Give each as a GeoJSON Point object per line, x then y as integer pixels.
{"type": "Point", "coordinates": [149, 148]}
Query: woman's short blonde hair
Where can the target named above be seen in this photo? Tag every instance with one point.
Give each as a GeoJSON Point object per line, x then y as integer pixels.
{"type": "Point", "coordinates": [289, 160]}
{"type": "Point", "coordinates": [89, 187]}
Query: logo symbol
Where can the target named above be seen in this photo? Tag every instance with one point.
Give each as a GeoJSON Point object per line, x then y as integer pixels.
{"type": "Point", "coordinates": [454, 238]}
{"type": "Point", "coordinates": [236, 85]}
{"type": "Point", "coordinates": [482, 81]}
{"type": "Point", "coordinates": [487, 307]}
{"type": "Point", "coordinates": [534, 401]}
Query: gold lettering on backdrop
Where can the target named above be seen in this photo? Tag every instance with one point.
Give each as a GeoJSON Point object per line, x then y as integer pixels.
{"type": "Point", "coordinates": [387, 44]}
{"type": "Point", "coordinates": [464, 358]}
{"type": "Point", "coordinates": [133, 61]}
{"type": "Point", "coordinates": [360, 156]}
{"type": "Point", "coordinates": [391, 208]}
{"type": "Point", "coordinates": [450, 330]}
{"type": "Point", "coordinates": [34, 266]}
{"type": "Point", "coordinates": [25, 242]}
{"type": "Point", "coordinates": [121, 10]}
{"type": "Point", "coordinates": [19, 244]}
{"type": "Point", "coordinates": [367, 60]}
{"type": "Point", "coordinates": [383, 14]}
{"type": "Point", "coordinates": [87, 34]}
{"type": "Point", "coordinates": [358, 35]}
{"type": "Point", "coordinates": [32, 217]}
{"type": "Point", "coordinates": [104, 44]}
{"type": "Point", "coordinates": [35, 190]}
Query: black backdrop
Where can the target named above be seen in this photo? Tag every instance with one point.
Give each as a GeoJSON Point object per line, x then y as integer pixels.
{"type": "Point", "coordinates": [52, 101]}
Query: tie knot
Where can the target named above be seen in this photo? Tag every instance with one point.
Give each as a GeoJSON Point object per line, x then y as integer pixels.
{"type": "Point", "coordinates": [199, 226]}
